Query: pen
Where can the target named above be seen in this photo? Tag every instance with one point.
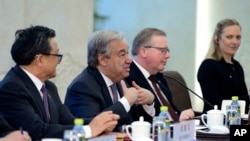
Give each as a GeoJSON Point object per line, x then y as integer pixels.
{"type": "Point", "coordinates": [21, 130]}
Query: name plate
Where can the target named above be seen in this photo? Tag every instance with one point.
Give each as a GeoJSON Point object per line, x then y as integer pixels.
{"type": "Point", "coordinates": [184, 131]}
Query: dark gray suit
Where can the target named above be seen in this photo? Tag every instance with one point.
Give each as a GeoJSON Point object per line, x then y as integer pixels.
{"type": "Point", "coordinates": [21, 105]}
{"type": "Point", "coordinates": [88, 96]}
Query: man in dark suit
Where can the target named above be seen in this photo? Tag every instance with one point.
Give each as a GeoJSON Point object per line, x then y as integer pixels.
{"type": "Point", "coordinates": [26, 103]}
{"type": "Point", "coordinates": [108, 63]}
{"type": "Point", "coordinates": [7, 133]}
{"type": "Point", "coordinates": [150, 51]}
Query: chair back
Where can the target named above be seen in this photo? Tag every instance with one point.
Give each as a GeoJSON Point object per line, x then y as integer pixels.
{"type": "Point", "coordinates": [180, 94]}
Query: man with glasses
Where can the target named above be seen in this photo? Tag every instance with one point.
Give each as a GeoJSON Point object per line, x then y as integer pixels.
{"type": "Point", "coordinates": [150, 54]}
{"type": "Point", "coordinates": [29, 100]}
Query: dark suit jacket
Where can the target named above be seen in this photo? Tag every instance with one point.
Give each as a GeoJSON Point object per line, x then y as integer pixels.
{"type": "Point", "coordinates": [21, 105]}
{"type": "Point", "coordinates": [88, 96]}
{"type": "Point", "coordinates": [5, 128]}
{"type": "Point", "coordinates": [136, 75]}
{"type": "Point", "coordinates": [220, 80]}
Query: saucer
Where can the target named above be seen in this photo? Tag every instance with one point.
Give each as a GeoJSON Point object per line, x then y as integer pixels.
{"type": "Point", "coordinates": [199, 127]}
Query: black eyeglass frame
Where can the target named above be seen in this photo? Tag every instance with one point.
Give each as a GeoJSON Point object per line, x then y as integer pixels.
{"type": "Point", "coordinates": [162, 50]}
{"type": "Point", "coordinates": [59, 56]}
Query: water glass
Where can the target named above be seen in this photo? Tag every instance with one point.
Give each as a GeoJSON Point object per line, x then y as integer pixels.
{"type": "Point", "coordinates": [69, 136]}
{"type": "Point", "coordinates": [159, 131]}
{"type": "Point", "coordinates": [231, 115]}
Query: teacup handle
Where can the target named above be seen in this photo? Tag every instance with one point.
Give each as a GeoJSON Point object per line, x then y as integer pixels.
{"type": "Point", "coordinates": [127, 131]}
{"type": "Point", "coordinates": [202, 119]}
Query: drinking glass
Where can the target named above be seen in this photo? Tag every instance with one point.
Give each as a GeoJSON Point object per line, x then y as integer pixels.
{"type": "Point", "coordinates": [69, 136]}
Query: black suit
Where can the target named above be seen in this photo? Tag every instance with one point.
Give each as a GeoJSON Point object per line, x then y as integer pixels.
{"type": "Point", "coordinates": [5, 128]}
{"type": "Point", "coordinates": [88, 96]}
{"type": "Point", "coordinates": [22, 106]}
{"type": "Point", "coordinates": [137, 76]}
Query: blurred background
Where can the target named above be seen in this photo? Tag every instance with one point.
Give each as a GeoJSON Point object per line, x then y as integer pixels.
{"type": "Point", "coordinates": [189, 25]}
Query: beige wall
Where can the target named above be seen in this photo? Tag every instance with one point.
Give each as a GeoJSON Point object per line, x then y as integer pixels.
{"type": "Point", "coordinates": [72, 20]}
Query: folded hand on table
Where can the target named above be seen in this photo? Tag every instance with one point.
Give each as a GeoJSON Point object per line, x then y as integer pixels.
{"type": "Point", "coordinates": [186, 115]}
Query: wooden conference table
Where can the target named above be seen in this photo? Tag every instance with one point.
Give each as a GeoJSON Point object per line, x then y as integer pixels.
{"type": "Point", "coordinates": [199, 136]}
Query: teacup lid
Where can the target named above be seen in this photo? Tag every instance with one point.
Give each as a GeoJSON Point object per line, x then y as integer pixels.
{"type": "Point", "coordinates": [215, 110]}
{"type": "Point", "coordinates": [141, 122]}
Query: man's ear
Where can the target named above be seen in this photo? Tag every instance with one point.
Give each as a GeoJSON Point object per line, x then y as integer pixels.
{"type": "Point", "coordinates": [143, 51]}
{"type": "Point", "coordinates": [38, 60]}
{"type": "Point", "coordinates": [102, 60]}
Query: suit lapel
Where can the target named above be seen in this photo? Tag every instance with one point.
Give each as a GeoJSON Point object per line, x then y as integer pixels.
{"type": "Point", "coordinates": [165, 89]}
{"type": "Point", "coordinates": [119, 88]}
{"type": "Point", "coordinates": [34, 93]}
{"type": "Point", "coordinates": [52, 108]}
{"type": "Point", "coordinates": [99, 79]}
{"type": "Point", "coordinates": [139, 77]}
{"type": "Point", "coordinates": [163, 86]}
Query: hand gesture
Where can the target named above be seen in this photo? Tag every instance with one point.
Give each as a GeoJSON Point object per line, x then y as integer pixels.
{"type": "Point", "coordinates": [130, 94]}
{"type": "Point", "coordinates": [144, 95]}
{"type": "Point", "coordinates": [104, 122]}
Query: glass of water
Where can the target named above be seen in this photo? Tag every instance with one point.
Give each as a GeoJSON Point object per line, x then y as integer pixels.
{"type": "Point", "coordinates": [159, 132]}
{"type": "Point", "coordinates": [69, 136]}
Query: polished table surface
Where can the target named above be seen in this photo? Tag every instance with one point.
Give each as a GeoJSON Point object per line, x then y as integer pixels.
{"type": "Point", "coordinates": [199, 137]}
{"type": "Point", "coordinates": [124, 137]}
{"type": "Point", "coordinates": [212, 137]}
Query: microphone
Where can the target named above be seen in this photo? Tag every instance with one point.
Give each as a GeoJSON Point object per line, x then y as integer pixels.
{"type": "Point", "coordinates": [183, 85]}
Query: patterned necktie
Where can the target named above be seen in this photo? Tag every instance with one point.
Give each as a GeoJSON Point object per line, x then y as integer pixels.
{"type": "Point", "coordinates": [114, 92]}
{"type": "Point", "coordinates": [163, 100]}
{"type": "Point", "coordinates": [45, 101]}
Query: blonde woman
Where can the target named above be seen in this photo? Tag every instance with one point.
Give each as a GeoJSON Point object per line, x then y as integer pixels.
{"type": "Point", "coordinates": [220, 75]}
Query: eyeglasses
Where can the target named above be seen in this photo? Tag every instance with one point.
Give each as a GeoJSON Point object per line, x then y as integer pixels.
{"type": "Point", "coordinates": [163, 50]}
{"type": "Point", "coordinates": [59, 56]}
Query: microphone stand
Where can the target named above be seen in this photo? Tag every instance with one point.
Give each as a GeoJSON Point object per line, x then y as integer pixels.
{"type": "Point", "coordinates": [189, 89]}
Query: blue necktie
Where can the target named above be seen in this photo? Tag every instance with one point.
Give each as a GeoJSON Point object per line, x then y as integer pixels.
{"type": "Point", "coordinates": [45, 101]}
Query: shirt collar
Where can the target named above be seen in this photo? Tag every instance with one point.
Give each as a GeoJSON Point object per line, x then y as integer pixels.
{"type": "Point", "coordinates": [106, 79]}
{"type": "Point", "coordinates": [145, 73]}
{"type": "Point", "coordinates": [34, 79]}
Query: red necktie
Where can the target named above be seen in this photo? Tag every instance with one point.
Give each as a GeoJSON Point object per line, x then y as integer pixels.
{"type": "Point", "coordinates": [163, 100]}
{"type": "Point", "coordinates": [45, 101]}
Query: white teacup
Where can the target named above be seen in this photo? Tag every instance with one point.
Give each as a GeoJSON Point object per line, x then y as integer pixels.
{"type": "Point", "coordinates": [214, 117]}
{"type": "Point", "coordinates": [140, 130]}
